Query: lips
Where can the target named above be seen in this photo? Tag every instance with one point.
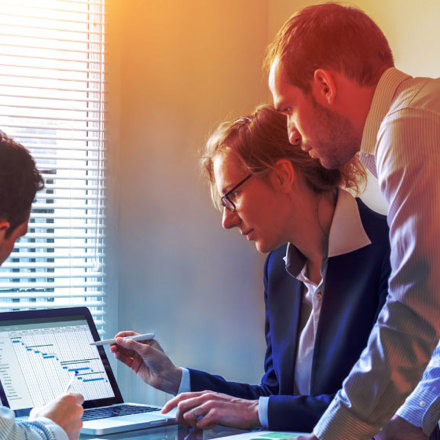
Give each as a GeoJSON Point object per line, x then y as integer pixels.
{"type": "Point", "coordinates": [247, 233]}
{"type": "Point", "coordinates": [306, 148]}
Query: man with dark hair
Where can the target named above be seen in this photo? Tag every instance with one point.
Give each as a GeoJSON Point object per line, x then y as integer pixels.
{"type": "Point", "coordinates": [332, 74]}
{"type": "Point", "coordinates": [19, 182]}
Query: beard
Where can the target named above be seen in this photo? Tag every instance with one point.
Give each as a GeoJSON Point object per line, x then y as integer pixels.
{"type": "Point", "coordinates": [334, 138]}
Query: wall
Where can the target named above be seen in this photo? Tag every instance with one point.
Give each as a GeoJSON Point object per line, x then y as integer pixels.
{"type": "Point", "coordinates": [177, 69]}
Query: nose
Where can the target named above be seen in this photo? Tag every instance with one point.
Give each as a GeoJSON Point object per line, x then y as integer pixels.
{"type": "Point", "coordinates": [230, 219]}
{"type": "Point", "coordinates": [294, 135]}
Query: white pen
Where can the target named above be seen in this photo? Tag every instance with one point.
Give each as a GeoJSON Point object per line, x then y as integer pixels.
{"type": "Point", "coordinates": [72, 378]}
{"type": "Point", "coordinates": [145, 337]}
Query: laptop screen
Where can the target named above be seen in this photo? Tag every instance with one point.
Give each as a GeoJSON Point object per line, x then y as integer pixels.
{"type": "Point", "coordinates": [40, 352]}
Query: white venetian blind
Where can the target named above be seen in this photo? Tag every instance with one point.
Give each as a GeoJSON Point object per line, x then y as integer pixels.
{"type": "Point", "coordinates": [52, 101]}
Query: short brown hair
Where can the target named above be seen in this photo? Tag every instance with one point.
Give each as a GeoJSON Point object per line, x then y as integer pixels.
{"type": "Point", "coordinates": [19, 182]}
{"type": "Point", "coordinates": [261, 139]}
{"type": "Point", "coordinates": [330, 36]}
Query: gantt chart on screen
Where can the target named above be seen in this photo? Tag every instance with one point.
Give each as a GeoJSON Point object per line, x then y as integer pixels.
{"type": "Point", "coordinates": [38, 361]}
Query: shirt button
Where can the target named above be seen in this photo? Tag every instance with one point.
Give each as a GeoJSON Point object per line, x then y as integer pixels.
{"type": "Point", "coordinates": [422, 404]}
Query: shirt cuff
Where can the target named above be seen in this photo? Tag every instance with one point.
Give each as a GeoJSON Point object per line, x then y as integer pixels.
{"type": "Point", "coordinates": [263, 411]}
{"type": "Point", "coordinates": [185, 382]}
{"type": "Point", "coordinates": [338, 423]}
{"type": "Point", "coordinates": [422, 407]}
{"type": "Point", "coordinates": [55, 429]}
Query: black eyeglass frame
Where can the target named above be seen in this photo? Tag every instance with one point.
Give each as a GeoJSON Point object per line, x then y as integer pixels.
{"type": "Point", "coordinates": [226, 201]}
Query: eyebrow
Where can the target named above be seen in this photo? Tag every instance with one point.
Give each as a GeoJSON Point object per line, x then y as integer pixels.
{"type": "Point", "coordinates": [226, 189]}
{"type": "Point", "coordinates": [237, 185]}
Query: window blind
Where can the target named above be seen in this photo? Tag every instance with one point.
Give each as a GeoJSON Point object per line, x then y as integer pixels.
{"type": "Point", "coordinates": [52, 102]}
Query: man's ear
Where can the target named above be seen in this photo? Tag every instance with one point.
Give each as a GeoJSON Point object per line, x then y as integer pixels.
{"type": "Point", "coordinates": [4, 226]}
{"type": "Point", "coordinates": [283, 175]}
{"type": "Point", "coordinates": [323, 87]}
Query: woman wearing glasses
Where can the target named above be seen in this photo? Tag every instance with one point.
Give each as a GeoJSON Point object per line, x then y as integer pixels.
{"type": "Point", "coordinates": [323, 290]}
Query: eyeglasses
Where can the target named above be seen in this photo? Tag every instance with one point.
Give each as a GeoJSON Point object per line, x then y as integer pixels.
{"type": "Point", "coordinates": [226, 201]}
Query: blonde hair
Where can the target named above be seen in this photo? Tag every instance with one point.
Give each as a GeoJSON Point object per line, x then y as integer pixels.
{"type": "Point", "coordinates": [260, 140]}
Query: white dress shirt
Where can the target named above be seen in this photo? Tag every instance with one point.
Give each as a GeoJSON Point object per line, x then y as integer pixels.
{"type": "Point", "coordinates": [401, 145]}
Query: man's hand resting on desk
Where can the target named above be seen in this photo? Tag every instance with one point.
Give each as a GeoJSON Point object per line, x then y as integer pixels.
{"type": "Point", "coordinates": [205, 409]}
{"type": "Point", "coordinates": [148, 361]}
{"type": "Point", "coordinates": [66, 411]}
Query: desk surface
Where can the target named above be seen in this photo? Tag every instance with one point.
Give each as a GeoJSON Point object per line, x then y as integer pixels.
{"type": "Point", "coordinates": [170, 432]}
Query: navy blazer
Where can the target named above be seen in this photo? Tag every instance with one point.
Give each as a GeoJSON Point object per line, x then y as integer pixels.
{"type": "Point", "coordinates": [355, 290]}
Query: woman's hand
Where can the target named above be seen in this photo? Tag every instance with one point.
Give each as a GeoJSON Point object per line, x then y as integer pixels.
{"type": "Point", "coordinates": [204, 410]}
{"type": "Point", "coordinates": [148, 360]}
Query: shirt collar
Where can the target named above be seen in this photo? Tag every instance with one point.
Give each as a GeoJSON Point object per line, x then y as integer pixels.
{"type": "Point", "coordinates": [347, 234]}
{"type": "Point", "coordinates": [382, 100]}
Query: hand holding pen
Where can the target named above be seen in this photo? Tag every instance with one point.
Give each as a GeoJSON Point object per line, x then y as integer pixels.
{"type": "Point", "coordinates": [148, 360]}
{"type": "Point", "coordinates": [136, 337]}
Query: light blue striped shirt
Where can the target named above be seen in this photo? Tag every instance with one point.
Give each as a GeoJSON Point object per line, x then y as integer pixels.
{"type": "Point", "coordinates": [37, 429]}
{"type": "Point", "coordinates": [401, 145]}
{"type": "Point", "coordinates": [422, 407]}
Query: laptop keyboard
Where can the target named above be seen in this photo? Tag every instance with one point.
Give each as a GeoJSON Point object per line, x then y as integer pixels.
{"type": "Point", "coordinates": [115, 411]}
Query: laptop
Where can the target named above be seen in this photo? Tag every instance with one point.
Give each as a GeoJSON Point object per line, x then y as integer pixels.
{"type": "Point", "coordinates": [40, 352]}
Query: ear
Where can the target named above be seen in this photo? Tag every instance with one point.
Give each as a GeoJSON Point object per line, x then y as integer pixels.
{"type": "Point", "coordinates": [4, 226]}
{"type": "Point", "coordinates": [283, 175]}
{"type": "Point", "coordinates": [323, 87]}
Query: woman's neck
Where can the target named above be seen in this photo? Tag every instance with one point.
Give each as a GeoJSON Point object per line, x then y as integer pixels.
{"type": "Point", "coordinates": [312, 238]}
